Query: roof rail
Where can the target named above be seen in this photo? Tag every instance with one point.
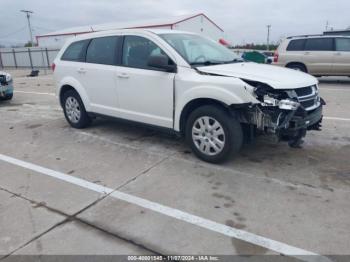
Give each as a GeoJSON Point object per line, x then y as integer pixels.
{"type": "Point", "coordinates": [289, 37]}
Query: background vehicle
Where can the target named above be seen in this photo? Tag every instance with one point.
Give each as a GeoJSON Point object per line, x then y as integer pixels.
{"type": "Point", "coordinates": [6, 86]}
{"type": "Point", "coordinates": [321, 55]}
{"type": "Point", "coordinates": [185, 83]}
{"type": "Point", "coordinates": [257, 57]}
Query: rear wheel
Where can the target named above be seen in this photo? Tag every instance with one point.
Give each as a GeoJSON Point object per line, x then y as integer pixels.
{"type": "Point", "coordinates": [297, 67]}
{"type": "Point", "coordinates": [74, 110]}
{"type": "Point", "coordinates": [213, 134]}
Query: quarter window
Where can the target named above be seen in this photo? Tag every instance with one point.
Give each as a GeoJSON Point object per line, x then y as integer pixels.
{"type": "Point", "coordinates": [296, 45]}
{"type": "Point", "coordinates": [75, 52]}
{"type": "Point", "coordinates": [319, 44]}
{"type": "Point", "coordinates": [342, 44]}
{"type": "Point", "coordinates": [102, 50]}
{"type": "Point", "coordinates": [137, 50]}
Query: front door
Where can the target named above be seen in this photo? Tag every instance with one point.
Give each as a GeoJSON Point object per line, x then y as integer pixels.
{"type": "Point", "coordinates": [145, 93]}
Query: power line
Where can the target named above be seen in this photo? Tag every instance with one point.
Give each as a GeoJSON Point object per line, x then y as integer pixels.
{"type": "Point", "coordinates": [13, 33]}
{"type": "Point", "coordinates": [43, 28]}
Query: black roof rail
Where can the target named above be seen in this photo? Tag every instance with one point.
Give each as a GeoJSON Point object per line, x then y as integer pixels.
{"type": "Point", "coordinates": [289, 37]}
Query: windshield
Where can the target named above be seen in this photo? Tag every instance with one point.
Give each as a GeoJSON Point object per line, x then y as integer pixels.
{"type": "Point", "coordinates": [200, 51]}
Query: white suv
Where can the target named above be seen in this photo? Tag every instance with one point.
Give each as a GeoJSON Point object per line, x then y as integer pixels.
{"type": "Point", "coordinates": [185, 83]}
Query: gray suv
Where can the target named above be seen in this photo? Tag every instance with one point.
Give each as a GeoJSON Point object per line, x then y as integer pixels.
{"type": "Point", "coordinates": [319, 55]}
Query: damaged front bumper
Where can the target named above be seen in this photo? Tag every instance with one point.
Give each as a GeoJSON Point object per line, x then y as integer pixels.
{"type": "Point", "coordinates": [287, 125]}
{"type": "Point", "coordinates": [6, 89]}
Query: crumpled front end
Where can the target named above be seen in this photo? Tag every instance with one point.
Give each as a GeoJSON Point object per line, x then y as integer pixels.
{"type": "Point", "coordinates": [6, 85]}
{"type": "Point", "coordinates": [286, 113]}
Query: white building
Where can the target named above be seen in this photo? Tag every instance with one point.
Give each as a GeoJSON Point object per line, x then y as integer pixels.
{"type": "Point", "coordinates": [198, 23]}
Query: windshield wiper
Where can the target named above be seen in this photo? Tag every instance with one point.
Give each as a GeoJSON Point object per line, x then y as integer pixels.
{"type": "Point", "coordinates": [236, 60]}
{"type": "Point", "coordinates": [206, 63]}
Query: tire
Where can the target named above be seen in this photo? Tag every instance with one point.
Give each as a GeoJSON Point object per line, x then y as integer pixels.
{"type": "Point", "coordinates": [298, 67]}
{"type": "Point", "coordinates": [74, 110]}
{"type": "Point", "coordinates": [7, 97]}
{"type": "Point", "coordinates": [223, 130]}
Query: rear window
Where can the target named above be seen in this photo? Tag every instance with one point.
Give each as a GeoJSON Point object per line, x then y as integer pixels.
{"type": "Point", "coordinates": [296, 45]}
{"type": "Point", "coordinates": [75, 52]}
{"type": "Point", "coordinates": [342, 44]}
{"type": "Point", "coordinates": [319, 44]}
{"type": "Point", "coordinates": [102, 50]}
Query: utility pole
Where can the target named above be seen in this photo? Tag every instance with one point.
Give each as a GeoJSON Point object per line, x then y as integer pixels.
{"type": "Point", "coordinates": [28, 13]}
{"type": "Point", "coordinates": [268, 37]}
{"type": "Point", "coordinates": [327, 25]}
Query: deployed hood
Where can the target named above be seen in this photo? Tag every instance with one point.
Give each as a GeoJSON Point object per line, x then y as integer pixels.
{"type": "Point", "coordinates": [274, 76]}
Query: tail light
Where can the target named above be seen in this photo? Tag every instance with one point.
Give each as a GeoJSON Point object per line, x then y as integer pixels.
{"type": "Point", "coordinates": [53, 66]}
{"type": "Point", "coordinates": [275, 57]}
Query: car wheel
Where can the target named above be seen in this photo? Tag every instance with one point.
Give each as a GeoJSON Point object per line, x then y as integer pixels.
{"type": "Point", "coordinates": [213, 134]}
{"type": "Point", "coordinates": [297, 67]}
{"type": "Point", "coordinates": [74, 110]}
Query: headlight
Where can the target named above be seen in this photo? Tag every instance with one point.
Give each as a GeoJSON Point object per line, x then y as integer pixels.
{"type": "Point", "coordinates": [8, 77]}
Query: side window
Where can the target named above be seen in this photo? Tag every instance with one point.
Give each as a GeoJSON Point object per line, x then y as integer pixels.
{"type": "Point", "coordinates": [137, 50]}
{"type": "Point", "coordinates": [296, 45]}
{"type": "Point", "coordinates": [102, 50]}
{"type": "Point", "coordinates": [342, 44]}
{"type": "Point", "coordinates": [319, 44]}
{"type": "Point", "coordinates": [75, 52]}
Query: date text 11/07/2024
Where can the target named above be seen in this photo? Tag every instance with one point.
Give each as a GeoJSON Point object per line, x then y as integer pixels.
{"type": "Point", "coordinates": [173, 258]}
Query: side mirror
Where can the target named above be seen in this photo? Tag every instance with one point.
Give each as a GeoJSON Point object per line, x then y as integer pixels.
{"type": "Point", "coordinates": [161, 62]}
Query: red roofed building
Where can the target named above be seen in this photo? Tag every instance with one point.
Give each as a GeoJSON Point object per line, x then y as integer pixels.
{"type": "Point", "coordinates": [198, 23]}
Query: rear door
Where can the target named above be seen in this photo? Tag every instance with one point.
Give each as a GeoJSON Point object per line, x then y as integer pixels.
{"type": "Point", "coordinates": [341, 64]}
{"type": "Point", "coordinates": [99, 73]}
{"type": "Point", "coordinates": [318, 55]}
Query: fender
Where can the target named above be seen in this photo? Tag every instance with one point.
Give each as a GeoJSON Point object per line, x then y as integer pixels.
{"type": "Point", "coordinates": [78, 87]}
{"type": "Point", "coordinates": [221, 94]}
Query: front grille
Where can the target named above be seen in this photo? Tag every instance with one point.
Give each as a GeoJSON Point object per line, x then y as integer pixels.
{"type": "Point", "coordinates": [304, 91]}
{"type": "Point", "coordinates": [308, 97]}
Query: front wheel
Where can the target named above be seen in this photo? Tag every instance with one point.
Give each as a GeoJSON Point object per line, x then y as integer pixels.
{"type": "Point", "coordinates": [74, 110]}
{"type": "Point", "coordinates": [213, 134]}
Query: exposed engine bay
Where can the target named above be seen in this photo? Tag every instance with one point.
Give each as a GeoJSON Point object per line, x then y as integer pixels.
{"type": "Point", "coordinates": [286, 113]}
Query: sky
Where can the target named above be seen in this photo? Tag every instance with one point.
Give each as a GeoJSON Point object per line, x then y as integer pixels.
{"type": "Point", "coordinates": [244, 21]}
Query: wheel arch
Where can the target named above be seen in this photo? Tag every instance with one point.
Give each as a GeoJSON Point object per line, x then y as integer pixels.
{"type": "Point", "coordinates": [196, 103]}
{"type": "Point", "coordinates": [297, 63]}
{"type": "Point", "coordinates": [71, 84]}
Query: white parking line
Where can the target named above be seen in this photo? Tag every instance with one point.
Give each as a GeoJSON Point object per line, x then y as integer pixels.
{"type": "Point", "coordinates": [334, 89]}
{"type": "Point", "coordinates": [35, 93]}
{"type": "Point", "coordinates": [336, 118]}
{"type": "Point", "coordinates": [252, 238]}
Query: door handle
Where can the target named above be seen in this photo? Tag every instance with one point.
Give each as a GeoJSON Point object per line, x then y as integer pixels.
{"type": "Point", "coordinates": [81, 71]}
{"type": "Point", "coordinates": [338, 54]}
{"type": "Point", "coordinates": [306, 53]}
{"type": "Point", "coordinates": [123, 75]}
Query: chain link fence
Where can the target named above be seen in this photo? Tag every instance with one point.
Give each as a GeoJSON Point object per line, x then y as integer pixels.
{"type": "Point", "coordinates": [33, 57]}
